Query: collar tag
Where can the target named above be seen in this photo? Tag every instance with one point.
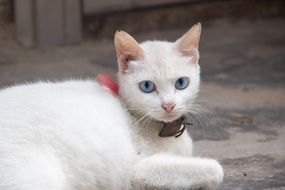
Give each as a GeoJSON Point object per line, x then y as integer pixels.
{"type": "Point", "coordinates": [173, 129]}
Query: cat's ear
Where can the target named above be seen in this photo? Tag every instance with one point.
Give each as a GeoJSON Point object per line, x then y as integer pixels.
{"type": "Point", "coordinates": [188, 44]}
{"type": "Point", "coordinates": [127, 49]}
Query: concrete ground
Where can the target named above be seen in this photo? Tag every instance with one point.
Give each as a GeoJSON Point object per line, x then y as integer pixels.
{"type": "Point", "coordinates": [243, 72]}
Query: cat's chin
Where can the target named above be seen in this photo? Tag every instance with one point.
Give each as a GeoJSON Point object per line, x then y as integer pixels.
{"type": "Point", "coordinates": [169, 118]}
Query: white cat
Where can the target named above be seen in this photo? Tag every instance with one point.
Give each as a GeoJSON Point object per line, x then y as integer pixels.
{"type": "Point", "coordinates": [76, 135]}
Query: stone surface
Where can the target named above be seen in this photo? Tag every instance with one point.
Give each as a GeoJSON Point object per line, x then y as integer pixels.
{"type": "Point", "coordinates": [242, 100]}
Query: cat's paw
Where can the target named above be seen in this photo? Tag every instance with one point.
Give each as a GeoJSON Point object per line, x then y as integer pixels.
{"type": "Point", "coordinates": [139, 178]}
{"type": "Point", "coordinates": [177, 173]}
{"type": "Point", "coordinates": [213, 175]}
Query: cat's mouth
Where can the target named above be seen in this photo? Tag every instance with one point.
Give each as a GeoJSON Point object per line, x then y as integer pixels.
{"type": "Point", "coordinates": [169, 117]}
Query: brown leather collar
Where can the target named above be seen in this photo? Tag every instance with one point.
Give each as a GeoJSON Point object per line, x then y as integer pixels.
{"type": "Point", "coordinates": [174, 128]}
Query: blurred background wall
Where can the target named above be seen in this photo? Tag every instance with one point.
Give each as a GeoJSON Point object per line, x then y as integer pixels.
{"type": "Point", "coordinates": [172, 14]}
{"type": "Point", "coordinates": [48, 23]}
{"type": "Point", "coordinates": [6, 12]}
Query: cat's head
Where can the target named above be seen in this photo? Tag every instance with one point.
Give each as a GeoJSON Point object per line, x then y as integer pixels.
{"type": "Point", "coordinates": [157, 78]}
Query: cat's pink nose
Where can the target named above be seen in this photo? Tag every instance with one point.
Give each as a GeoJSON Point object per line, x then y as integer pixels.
{"type": "Point", "coordinates": [168, 106]}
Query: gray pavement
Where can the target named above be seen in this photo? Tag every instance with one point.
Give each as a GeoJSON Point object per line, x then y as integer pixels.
{"type": "Point", "coordinates": [243, 89]}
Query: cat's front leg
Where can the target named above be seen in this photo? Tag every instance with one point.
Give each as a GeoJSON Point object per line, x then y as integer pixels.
{"type": "Point", "coordinates": [163, 172]}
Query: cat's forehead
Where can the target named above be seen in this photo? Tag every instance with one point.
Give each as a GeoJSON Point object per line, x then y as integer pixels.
{"type": "Point", "coordinates": [159, 50]}
{"type": "Point", "coordinates": [162, 59]}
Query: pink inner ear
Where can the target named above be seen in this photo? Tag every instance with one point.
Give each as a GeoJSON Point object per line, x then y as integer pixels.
{"type": "Point", "coordinates": [130, 58]}
{"type": "Point", "coordinates": [191, 52]}
{"type": "Point", "coordinates": [125, 58]}
{"type": "Point", "coordinates": [127, 49]}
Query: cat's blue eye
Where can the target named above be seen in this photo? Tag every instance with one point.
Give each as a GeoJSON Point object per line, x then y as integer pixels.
{"type": "Point", "coordinates": [181, 83]}
{"type": "Point", "coordinates": [147, 86]}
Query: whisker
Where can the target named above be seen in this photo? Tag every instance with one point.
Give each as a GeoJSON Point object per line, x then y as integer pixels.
{"type": "Point", "coordinates": [139, 120]}
{"type": "Point", "coordinates": [130, 109]}
{"type": "Point", "coordinates": [146, 124]}
{"type": "Point", "coordinates": [199, 113]}
{"type": "Point", "coordinates": [194, 117]}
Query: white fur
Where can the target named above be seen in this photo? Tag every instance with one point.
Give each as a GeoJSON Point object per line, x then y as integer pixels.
{"type": "Point", "coordinates": [75, 135]}
{"type": "Point", "coordinates": [163, 171]}
{"type": "Point", "coordinates": [63, 136]}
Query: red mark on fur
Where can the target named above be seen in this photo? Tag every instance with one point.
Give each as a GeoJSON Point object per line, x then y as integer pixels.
{"type": "Point", "coordinates": [109, 82]}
